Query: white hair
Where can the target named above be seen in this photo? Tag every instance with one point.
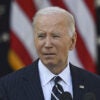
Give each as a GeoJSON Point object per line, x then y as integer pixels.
{"type": "Point", "coordinates": [53, 10]}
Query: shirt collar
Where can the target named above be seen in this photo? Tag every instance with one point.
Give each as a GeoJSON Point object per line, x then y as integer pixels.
{"type": "Point", "coordinates": [46, 75]}
{"type": "Point", "coordinates": [66, 75]}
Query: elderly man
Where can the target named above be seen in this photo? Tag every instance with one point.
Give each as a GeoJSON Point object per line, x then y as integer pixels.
{"type": "Point", "coordinates": [52, 76]}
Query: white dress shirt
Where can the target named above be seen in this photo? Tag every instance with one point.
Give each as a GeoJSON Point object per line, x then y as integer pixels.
{"type": "Point", "coordinates": [47, 83]}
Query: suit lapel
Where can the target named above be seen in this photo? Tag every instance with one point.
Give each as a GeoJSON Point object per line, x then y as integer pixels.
{"type": "Point", "coordinates": [79, 88]}
{"type": "Point", "coordinates": [32, 86]}
{"type": "Point", "coordinates": [31, 83]}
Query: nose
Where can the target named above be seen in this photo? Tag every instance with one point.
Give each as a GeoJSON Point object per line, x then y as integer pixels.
{"type": "Point", "coordinates": [48, 42]}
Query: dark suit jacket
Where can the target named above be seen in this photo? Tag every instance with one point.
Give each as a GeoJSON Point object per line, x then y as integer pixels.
{"type": "Point", "coordinates": [25, 84]}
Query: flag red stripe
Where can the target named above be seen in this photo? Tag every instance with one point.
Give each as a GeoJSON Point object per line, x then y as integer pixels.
{"type": "Point", "coordinates": [91, 7]}
{"type": "Point", "coordinates": [59, 3]}
{"type": "Point", "coordinates": [84, 55]}
{"type": "Point", "coordinates": [20, 50]}
{"type": "Point", "coordinates": [81, 49]}
{"type": "Point", "coordinates": [28, 7]}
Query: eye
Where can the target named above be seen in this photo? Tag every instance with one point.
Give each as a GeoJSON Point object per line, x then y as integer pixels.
{"type": "Point", "coordinates": [41, 35]}
{"type": "Point", "coordinates": [56, 36]}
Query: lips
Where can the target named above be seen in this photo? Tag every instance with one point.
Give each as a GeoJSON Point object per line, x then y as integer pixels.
{"type": "Point", "coordinates": [49, 54]}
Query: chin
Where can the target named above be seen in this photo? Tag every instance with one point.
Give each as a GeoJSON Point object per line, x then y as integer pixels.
{"type": "Point", "coordinates": [50, 64]}
{"type": "Point", "coordinates": [49, 61]}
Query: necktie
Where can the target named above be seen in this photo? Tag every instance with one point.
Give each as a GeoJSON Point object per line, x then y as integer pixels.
{"type": "Point", "coordinates": [57, 89]}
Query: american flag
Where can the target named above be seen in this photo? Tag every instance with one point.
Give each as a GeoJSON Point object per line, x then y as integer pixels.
{"type": "Point", "coordinates": [22, 51]}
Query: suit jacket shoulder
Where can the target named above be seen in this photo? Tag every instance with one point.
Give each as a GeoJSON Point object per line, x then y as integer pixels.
{"type": "Point", "coordinates": [84, 74]}
{"type": "Point", "coordinates": [23, 84]}
{"type": "Point", "coordinates": [84, 82]}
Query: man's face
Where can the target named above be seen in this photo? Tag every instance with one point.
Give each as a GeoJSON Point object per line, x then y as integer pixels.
{"type": "Point", "coordinates": [52, 40]}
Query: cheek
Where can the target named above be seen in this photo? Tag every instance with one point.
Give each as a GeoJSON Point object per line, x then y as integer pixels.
{"type": "Point", "coordinates": [63, 50]}
{"type": "Point", "coordinates": [36, 43]}
{"type": "Point", "coordinates": [38, 46]}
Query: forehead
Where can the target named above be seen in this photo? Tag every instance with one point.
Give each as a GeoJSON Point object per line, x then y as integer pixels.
{"type": "Point", "coordinates": [51, 23]}
{"type": "Point", "coordinates": [52, 19]}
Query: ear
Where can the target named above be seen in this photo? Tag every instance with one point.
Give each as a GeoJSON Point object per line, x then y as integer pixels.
{"type": "Point", "coordinates": [73, 41]}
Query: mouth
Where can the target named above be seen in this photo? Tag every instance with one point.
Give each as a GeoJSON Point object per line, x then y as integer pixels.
{"type": "Point", "coordinates": [49, 54]}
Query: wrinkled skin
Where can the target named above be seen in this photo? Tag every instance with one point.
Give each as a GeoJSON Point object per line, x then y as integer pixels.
{"type": "Point", "coordinates": [53, 41]}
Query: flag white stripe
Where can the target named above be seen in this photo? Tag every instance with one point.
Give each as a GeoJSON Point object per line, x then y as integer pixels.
{"type": "Point", "coordinates": [22, 27]}
{"type": "Point", "coordinates": [42, 3]}
{"type": "Point", "coordinates": [84, 24]}
{"type": "Point", "coordinates": [73, 58]}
